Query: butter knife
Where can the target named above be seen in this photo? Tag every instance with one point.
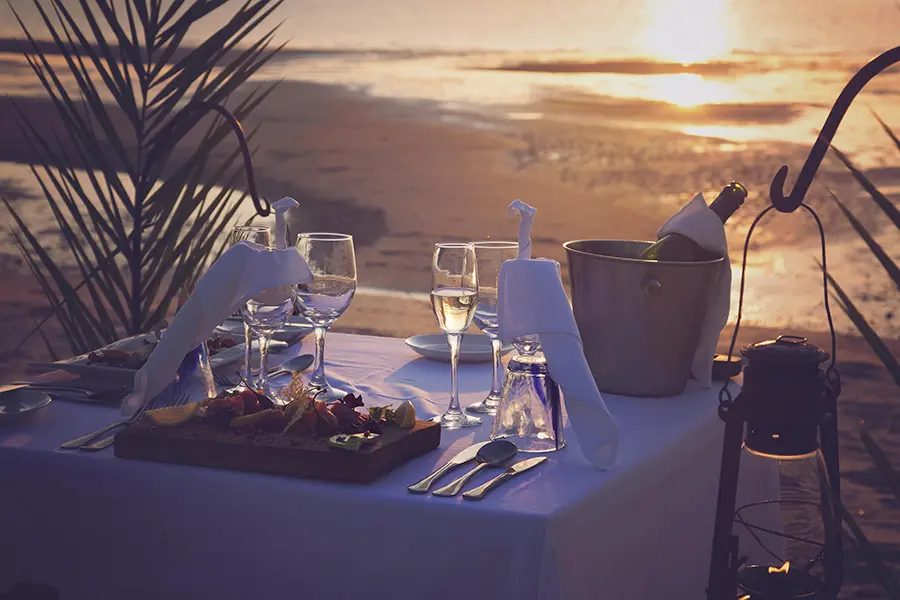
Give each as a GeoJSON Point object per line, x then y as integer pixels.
{"type": "Point", "coordinates": [520, 467]}
{"type": "Point", "coordinates": [463, 457]}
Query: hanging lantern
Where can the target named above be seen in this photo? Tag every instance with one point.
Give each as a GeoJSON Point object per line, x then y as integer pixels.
{"type": "Point", "coordinates": [786, 412]}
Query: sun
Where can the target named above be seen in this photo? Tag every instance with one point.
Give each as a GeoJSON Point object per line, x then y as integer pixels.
{"type": "Point", "coordinates": [687, 31]}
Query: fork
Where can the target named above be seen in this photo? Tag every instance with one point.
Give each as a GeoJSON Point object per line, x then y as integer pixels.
{"type": "Point", "coordinates": [222, 380]}
{"type": "Point", "coordinates": [108, 441]}
{"type": "Point", "coordinates": [80, 442]}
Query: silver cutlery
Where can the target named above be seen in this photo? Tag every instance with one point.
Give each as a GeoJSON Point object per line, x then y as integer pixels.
{"type": "Point", "coordinates": [298, 363]}
{"type": "Point", "coordinates": [80, 441]}
{"type": "Point", "coordinates": [493, 454]}
{"type": "Point", "coordinates": [420, 487]}
{"type": "Point", "coordinates": [520, 467]}
{"type": "Point", "coordinates": [108, 441]}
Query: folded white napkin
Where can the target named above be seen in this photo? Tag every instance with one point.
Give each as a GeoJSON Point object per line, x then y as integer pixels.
{"type": "Point", "coordinates": [532, 300]}
{"type": "Point", "coordinates": [281, 207]}
{"type": "Point", "coordinates": [697, 222]}
{"type": "Point", "coordinates": [243, 271]}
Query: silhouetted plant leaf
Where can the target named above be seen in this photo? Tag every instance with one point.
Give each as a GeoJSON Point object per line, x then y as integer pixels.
{"type": "Point", "coordinates": [136, 229]}
{"type": "Point", "coordinates": [881, 461]}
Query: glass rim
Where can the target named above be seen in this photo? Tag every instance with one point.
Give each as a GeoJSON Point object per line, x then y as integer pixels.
{"type": "Point", "coordinates": [324, 236]}
{"type": "Point", "coordinates": [250, 228]}
{"type": "Point", "coordinates": [495, 244]}
{"type": "Point", "coordinates": [454, 245]}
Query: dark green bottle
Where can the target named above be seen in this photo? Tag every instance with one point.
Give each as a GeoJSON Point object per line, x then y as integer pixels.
{"type": "Point", "coordinates": [675, 247]}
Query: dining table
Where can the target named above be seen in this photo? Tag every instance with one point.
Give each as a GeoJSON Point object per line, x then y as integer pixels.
{"type": "Point", "coordinates": [98, 527]}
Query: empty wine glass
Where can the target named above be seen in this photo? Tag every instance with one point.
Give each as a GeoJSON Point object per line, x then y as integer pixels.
{"type": "Point", "coordinates": [454, 297]}
{"type": "Point", "coordinates": [489, 256]}
{"type": "Point", "coordinates": [266, 313]}
{"type": "Point", "coordinates": [261, 235]}
{"type": "Point", "coordinates": [332, 260]}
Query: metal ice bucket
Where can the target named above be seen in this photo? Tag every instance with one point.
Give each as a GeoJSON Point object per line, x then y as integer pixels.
{"type": "Point", "coordinates": [639, 320]}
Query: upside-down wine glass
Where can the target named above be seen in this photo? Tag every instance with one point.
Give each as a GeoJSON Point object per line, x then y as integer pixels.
{"type": "Point", "coordinates": [489, 255]}
{"type": "Point", "coordinates": [332, 260]}
{"type": "Point", "coordinates": [266, 313]}
{"type": "Point", "coordinates": [257, 234]}
{"type": "Point", "coordinates": [454, 296]}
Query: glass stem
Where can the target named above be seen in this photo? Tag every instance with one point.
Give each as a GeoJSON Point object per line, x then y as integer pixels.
{"type": "Point", "coordinates": [248, 350]}
{"type": "Point", "coordinates": [264, 364]}
{"type": "Point", "coordinates": [318, 376]}
{"type": "Point", "coordinates": [496, 346]}
{"type": "Point", "coordinates": [454, 339]}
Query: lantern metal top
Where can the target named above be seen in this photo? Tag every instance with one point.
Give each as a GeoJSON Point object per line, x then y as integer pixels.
{"type": "Point", "coordinates": [785, 350]}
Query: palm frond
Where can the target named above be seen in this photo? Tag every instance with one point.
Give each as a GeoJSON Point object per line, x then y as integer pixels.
{"type": "Point", "coordinates": [862, 325]}
{"type": "Point", "coordinates": [881, 462]}
{"type": "Point", "coordinates": [880, 199]}
{"type": "Point", "coordinates": [136, 229]}
{"type": "Point", "coordinates": [870, 554]}
{"type": "Point", "coordinates": [886, 261]}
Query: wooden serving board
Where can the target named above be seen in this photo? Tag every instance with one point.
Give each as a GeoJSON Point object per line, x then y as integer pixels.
{"type": "Point", "coordinates": [202, 445]}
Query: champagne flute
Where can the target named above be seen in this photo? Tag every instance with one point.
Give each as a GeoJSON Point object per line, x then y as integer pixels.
{"type": "Point", "coordinates": [261, 235]}
{"type": "Point", "coordinates": [489, 256]}
{"type": "Point", "coordinates": [454, 296]}
{"type": "Point", "coordinates": [332, 260]}
{"type": "Point", "coordinates": [265, 313]}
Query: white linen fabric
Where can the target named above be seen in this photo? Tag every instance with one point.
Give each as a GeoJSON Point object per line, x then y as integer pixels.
{"type": "Point", "coordinates": [526, 219]}
{"type": "Point", "coordinates": [697, 222]}
{"type": "Point", "coordinates": [241, 272]}
{"type": "Point", "coordinates": [281, 207]}
{"type": "Point", "coordinates": [101, 528]}
{"type": "Point", "coordinates": [531, 299]}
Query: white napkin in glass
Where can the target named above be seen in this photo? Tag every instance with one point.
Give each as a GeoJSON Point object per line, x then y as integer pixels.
{"type": "Point", "coordinates": [697, 222]}
{"type": "Point", "coordinates": [243, 271]}
{"type": "Point", "coordinates": [531, 300]}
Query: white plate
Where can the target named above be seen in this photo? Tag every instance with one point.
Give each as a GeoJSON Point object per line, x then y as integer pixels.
{"type": "Point", "coordinates": [121, 376]}
{"type": "Point", "coordinates": [294, 330]}
{"type": "Point", "coordinates": [475, 348]}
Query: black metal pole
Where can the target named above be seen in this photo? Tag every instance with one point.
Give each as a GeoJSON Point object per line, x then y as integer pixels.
{"type": "Point", "coordinates": [722, 583]}
{"type": "Point", "coordinates": [817, 153]}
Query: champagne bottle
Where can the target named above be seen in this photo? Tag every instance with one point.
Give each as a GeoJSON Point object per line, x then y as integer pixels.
{"type": "Point", "coordinates": [675, 247]}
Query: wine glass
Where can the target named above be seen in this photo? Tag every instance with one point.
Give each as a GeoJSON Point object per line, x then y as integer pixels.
{"type": "Point", "coordinates": [332, 260]}
{"type": "Point", "coordinates": [454, 297]}
{"type": "Point", "coordinates": [258, 234]}
{"type": "Point", "coordinates": [265, 313]}
{"type": "Point", "coordinates": [489, 256]}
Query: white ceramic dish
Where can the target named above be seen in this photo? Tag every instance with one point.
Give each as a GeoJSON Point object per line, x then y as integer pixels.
{"type": "Point", "coordinates": [121, 376]}
{"type": "Point", "coordinates": [475, 348]}
{"type": "Point", "coordinates": [294, 330]}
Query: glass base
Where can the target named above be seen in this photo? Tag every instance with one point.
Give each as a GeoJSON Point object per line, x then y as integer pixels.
{"type": "Point", "coordinates": [488, 406]}
{"type": "Point", "coordinates": [457, 420]}
{"type": "Point", "coordinates": [330, 394]}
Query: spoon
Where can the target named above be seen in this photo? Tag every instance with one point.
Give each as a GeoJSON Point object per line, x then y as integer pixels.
{"type": "Point", "coordinates": [491, 455]}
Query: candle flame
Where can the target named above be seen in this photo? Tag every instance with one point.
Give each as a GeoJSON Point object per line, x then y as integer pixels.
{"type": "Point", "coordinates": [782, 569]}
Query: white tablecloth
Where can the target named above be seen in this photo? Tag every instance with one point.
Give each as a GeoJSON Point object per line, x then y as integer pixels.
{"type": "Point", "coordinates": [98, 527]}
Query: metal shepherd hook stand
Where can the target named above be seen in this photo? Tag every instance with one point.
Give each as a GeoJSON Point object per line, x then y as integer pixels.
{"type": "Point", "coordinates": [725, 563]}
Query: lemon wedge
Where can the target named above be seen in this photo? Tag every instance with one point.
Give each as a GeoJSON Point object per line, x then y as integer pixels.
{"type": "Point", "coordinates": [173, 415]}
{"type": "Point", "coordinates": [405, 415]}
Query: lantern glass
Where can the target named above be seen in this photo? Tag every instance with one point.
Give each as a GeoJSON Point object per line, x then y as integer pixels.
{"type": "Point", "coordinates": [788, 560]}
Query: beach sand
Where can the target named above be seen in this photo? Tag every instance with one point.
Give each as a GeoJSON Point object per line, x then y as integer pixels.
{"type": "Point", "coordinates": [400, 176]}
